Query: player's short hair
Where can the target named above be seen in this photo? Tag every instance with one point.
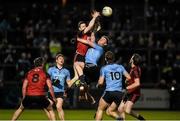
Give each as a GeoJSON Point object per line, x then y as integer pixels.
{"type": "Point", "coordinates": [39, 61]}
{"type": "Point", "coordinates": [106, 37]}
{"type": "Point", "coordinates": [81, 22]}
{"type": "Point", "coordinates": [59, 55]}
{"type": "Point", "coordinates": [136, 59]}
{"type": "Point", "coordinates": [109, 56]}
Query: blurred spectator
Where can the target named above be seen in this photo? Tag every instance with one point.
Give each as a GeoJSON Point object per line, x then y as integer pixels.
{"type": "Point", "coordinates": [169, 44]}
{"type": "Point", "coordinates": [8, 63]}
{"type": "Point", "coordinates": [8, 68]}
{"type": "Point", "coordinates": [177, 61]}
{"type": "Point", "coordinates": [29, 33]}
{"type": "Point", "coordinates": [167, 72]}
{"type": "Point", "coordinates": [22, 66]}
{"type": "Point", "coordinates": [161, 84]}
{"type": "Point", "coordinates": [176, 69]}
{"type": "Point", "coordinates": [54, 46]}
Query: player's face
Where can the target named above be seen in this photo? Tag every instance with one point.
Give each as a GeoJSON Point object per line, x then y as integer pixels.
{"type": "Point", "coordinates": [82, 27]}
{"type": "Point", "coordinates": [60, 60]}
{"type": "Point", "coordinates": [102, 41]}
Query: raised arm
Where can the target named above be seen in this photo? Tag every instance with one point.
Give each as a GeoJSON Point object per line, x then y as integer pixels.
{"type": "Point", "coordinates": [91, 23]}
{"type": "Point", "coordinates": [86, 42]}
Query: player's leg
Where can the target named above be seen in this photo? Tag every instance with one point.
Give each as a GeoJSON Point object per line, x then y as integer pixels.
{"type": "Point", "coordinates": [121, 109]}
{"type": "Point", "coordinates": [90, 97]}
{"type": "Point", "coordinates": [51, 112]}
{"type": "Point", "coordinates": [112, 111]}
{"type": "Point", "coordinates": [84, 92]}
{"type": "Point", "coordinates": [60, 110]}
{"type": "Point", "coordinates": [47, 112]}
{"type": "Point", "coordinates": [17, 113]}
{"type": "Point", "coordinates": [92, 75]}
{"type": "Point", "coordinates": [80, 68]}
{"type": "Point", "coordinates": [48, 108]}
{"type": "Point", "coordinates": [76, 76]}
{"type": "Point", "coordinates": [101, 107]}
{"type": "Point", "coordinates": [128, 110]}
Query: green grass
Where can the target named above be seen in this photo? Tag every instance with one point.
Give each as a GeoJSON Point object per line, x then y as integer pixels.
{"type": "Point", "coordinates": [88, 115]}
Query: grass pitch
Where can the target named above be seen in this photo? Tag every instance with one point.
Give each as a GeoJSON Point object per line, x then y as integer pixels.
{"type": "Point", "coordinates": [89, 114]}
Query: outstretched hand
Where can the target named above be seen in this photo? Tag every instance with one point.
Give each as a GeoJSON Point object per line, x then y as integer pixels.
{"type": "Point", "coordinates": [95, 14]}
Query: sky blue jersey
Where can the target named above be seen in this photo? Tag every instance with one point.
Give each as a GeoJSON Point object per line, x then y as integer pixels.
{"type": "Point", "coordinates": [93, 54]}
{"type": "Point", "coordinates": [58, 78]}
{"type": "Point", "coordinates": [112, 74]}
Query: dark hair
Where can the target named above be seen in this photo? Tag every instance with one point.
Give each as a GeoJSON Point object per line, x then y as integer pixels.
{"type": "Point", "coordinates": [58, 55]}
{"type": "Point", "coordinates": [81, 22]}
{"type": "Point", "coordinates": [39, 61]}
{"type": "Point", "coordinates": [109, 56]}
{"type": "Point", "coordinates": [106, 37]}
{"type": "Point", "coordinates": [136, 59]}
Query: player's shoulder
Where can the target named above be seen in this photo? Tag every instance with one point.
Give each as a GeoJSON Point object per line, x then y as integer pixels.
{"type": "Point", "coordinates": [103, 67]}
{"type": "Point", "coordinates": [121, 66]}
{"type": "Point", "coordinates": [51, 68]}
{"type": "Point", "coordinates": [98, 46]}
{"type": "Point", "coordinates": [136, 68]}
{"type": "Point", "coordinates": [32, 70]}
{"type": "Point", "coordinates": [115, 65]}
{"type": "Point", "coordinates": [118, 66]}
{"type": "Point", "coordinates": [65, 70]}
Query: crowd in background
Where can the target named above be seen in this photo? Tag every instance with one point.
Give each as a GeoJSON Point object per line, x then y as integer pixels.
{"type": "Point", "coordinates": [31, 29]}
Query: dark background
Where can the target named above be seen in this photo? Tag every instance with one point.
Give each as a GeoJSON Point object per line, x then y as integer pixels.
{"type": "Point", "coordinates": [29, 29]}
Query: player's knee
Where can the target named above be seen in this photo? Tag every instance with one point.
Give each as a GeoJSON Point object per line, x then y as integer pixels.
{"type": "Point", "coordinates": [108, 112]}
{"type": "Point", "coordinates": [51, 102]}
{"type": "Point", "coordinates": [21, 107]}
{"type": "Point", "coordinates": [120, 109]}
{"type": "Point", "coordinates": [127, 111]}
{"type": "Point", "coordinates": [49, 108]}
{"type": "Point", "coordinates": [59, 109]}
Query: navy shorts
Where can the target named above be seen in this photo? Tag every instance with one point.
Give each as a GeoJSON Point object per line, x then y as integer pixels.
{"type": "Point", "coordinates": [79, 58]}
{"type": "Point", "coordinates": [57, 95]}
{"type": "Point", "coordinates": [131, 97]}
{"type": "Point", "coordinates": [112, 96]}
{"type": "Point", "coordinates": [35, 102]}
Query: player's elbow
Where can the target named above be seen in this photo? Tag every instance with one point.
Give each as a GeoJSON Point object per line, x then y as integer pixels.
{"type": "Point", "coordinates": [137, 83]}
{"type": "Point", "coordinates": [100, 84]}
{"type": "Point", "coordinates": [69, 84]}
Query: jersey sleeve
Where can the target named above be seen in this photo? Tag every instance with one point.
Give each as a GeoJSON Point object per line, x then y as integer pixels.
{"type": "Point", "coordinates": [123, 70]}
{"type": "Point", "coordinates": [49, 71]}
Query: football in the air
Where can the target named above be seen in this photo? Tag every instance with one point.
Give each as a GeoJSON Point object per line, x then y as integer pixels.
{"type": "Point", "coordinates": [107, 11]}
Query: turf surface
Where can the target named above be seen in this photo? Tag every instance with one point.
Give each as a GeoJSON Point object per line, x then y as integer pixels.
{"type": "Point", "coordinates": [88, 115]}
